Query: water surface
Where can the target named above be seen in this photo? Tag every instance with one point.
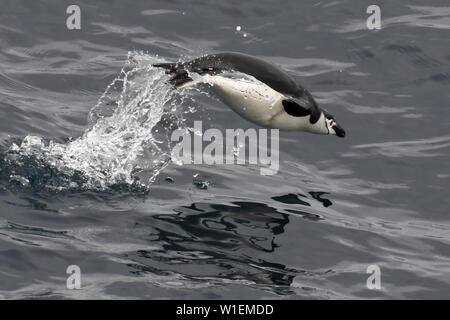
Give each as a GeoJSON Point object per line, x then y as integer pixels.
{"type": "Point", "coordinates": [86, 176]}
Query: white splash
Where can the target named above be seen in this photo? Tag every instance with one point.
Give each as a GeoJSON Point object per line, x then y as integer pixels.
{"type": "Point", "coordinates": [125, 136]}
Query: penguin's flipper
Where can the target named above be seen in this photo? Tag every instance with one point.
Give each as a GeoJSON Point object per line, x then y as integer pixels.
{"type": "Point", "coordinates": [294, 109]}
{"type": "Point", "coordinates": [303, 105]}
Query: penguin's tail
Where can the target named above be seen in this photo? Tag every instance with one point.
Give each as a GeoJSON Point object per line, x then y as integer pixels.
{"type": "Point", "coordinates": [167, 66]}
{"type": "Point", "coordinates": [179, 76]}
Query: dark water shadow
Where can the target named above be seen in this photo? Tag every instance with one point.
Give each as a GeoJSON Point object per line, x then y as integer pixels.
{"type": "Point", "coordinates": [218, 243]}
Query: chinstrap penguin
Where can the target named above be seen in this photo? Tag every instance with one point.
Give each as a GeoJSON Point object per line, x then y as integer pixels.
{"type": "Point", "coordinates": [257, 90]}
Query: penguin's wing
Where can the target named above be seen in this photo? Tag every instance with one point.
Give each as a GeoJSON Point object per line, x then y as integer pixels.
{"type": "Point", "coordinates": [294, 109]}
{"type": "Point", "coordinates": [302, 106]}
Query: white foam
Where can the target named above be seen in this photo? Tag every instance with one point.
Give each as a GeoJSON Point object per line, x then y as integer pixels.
{"type": "Point", "coordinates": [120, 140]}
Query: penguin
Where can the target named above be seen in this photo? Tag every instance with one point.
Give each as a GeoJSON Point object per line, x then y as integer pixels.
{"type": "Point", "coordinates": [255, 89]}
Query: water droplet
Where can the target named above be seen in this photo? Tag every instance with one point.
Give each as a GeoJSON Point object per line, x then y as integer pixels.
{"type": "Point", "coordinates": [169, 179]}
{"type": "Point", "coordinates": [201, 184]}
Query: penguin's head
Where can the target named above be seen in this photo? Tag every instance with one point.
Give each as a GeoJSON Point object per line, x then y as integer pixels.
{"type": "Point", "coordinates": [332, 126]}
{"type": "Point", "coordinates": [307, 116]}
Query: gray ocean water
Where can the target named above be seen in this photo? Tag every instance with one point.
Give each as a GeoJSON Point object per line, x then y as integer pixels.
{"type": "Point", "coordinates": [83, 116]}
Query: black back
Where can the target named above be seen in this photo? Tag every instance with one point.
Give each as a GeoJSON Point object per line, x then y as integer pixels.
{"type": "Point", "coordinates": [265, 72]}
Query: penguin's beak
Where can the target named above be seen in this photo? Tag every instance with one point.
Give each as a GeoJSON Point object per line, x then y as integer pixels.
{"type": "Point", "coordinates": [339, 131]}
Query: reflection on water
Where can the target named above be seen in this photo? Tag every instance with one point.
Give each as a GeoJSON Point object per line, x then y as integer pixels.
{"type": "Point", "coordinates": [220, 242]}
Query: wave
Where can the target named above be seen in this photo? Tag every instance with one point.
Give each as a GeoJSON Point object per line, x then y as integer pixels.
{"type": "Point", "coordinates": [412, 148]}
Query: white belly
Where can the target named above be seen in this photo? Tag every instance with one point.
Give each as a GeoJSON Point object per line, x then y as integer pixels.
{"type": "Point", "coordinates": [250, 98]}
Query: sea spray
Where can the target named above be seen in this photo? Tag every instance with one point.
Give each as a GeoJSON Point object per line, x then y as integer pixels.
{"type": "Point", "coordinates": [127, 138]}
